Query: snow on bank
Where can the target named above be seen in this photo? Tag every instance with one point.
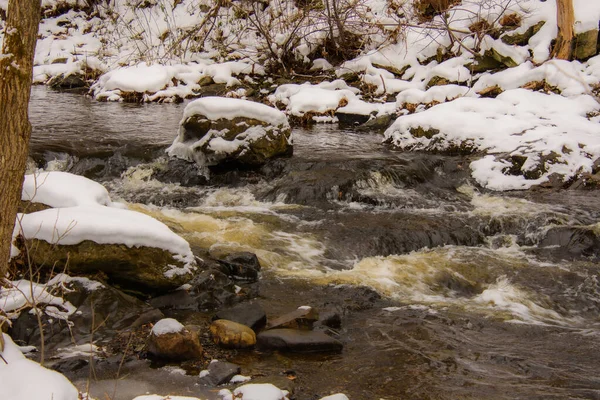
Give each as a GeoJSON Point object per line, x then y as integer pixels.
{"type": "Point", "coordinates": [62, 189]}
{"type": "Point", "coordinates": [164, 82]}
{"type": "Point", "coordinates": [25, 379]}
{"type": "Point", "coordinates": [518, 122]}
{"type": "Point", "coordinates": [23, 293]}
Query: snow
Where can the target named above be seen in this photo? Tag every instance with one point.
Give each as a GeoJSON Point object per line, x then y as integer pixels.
{"type": "Point", "coordinates": [23, 294]}
{"type": "Point", "coordinates": [337, 396]}
{"type": "Point", "coordinates": [18, 374]}
{"type": "Point", "coordinates": [260, 391]}
{"type": "Point", "coordinates": [517, 122]}
{"type": "Point", "coordinates": [62, 189]}
{"type": "Point", "coordinates": [239, 379]}
{"type": "Point", "coordinates": [103, 225]}
{"type": "Point", "coordinates": [169, 397]}
{"type": "Point", "coordinates": [305, 98]}
{"type": "Point", "coordinates": [167, 325]}
{"type": "Point", "coordinates": [215, 108]}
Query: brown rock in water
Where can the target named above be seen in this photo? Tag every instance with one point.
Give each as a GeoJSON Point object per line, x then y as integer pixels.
{"type": "Point", "coordinates": [180, 345]}
{"type": "Point", "coordinates": [232, 335]}
{"type": "Point", "coordinates": [302, 318]}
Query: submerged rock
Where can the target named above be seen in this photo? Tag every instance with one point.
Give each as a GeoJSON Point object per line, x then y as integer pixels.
{"type": "Point", "coordinates": [232, 335]}
{"type": "Point", "coordinates": [297, 341]}
{"type": "Point", "coordinates": [171, 340]}
{"type": "Point", "coordinates": [218, 130]}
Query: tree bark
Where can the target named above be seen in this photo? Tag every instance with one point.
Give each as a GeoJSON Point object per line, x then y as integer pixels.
{"type": "Point", "coordinates": [565, 17]}
{"type": "Point", "coordinates": [16, 70]}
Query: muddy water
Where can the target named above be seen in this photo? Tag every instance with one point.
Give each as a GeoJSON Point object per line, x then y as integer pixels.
{"type": "Point", "coordinates": [445, 290]}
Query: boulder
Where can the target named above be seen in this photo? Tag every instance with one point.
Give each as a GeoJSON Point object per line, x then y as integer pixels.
{"type": "Point", "coordinates": [68, 81]}
{"type": "Point", "coordinates": [219, 373]}
{"type": "Point", "coordinates": [230, 334]}
{"type": "Point", "coordinates": [249, 314]}
{"type": "Point", "coordinates": [302, 318]}
{"type": "Point", "coordinates": [172, 341]}
{"type": "Point", "coordinates": [218, 131]}
{"type": "Point", "coordinates": [141, 269]}
{"type": "Point", "coordinates": [571, 242]}
{"type": "Point", "coordinates": [297, 341]}
{"type": "Point", "coordinates": [133, 249]}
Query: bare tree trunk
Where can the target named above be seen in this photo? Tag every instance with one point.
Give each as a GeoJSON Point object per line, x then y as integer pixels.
{"type": "Point", "coordinates": [16, 70]}
{"type": "Point", "coordinates": [565, 16]}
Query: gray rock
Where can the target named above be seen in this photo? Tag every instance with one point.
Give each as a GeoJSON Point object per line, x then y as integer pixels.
{"type": "Point", "coordinates": [241, 266]}
{"type": "Point", "coordinates": [219, 373]}
{"type": "Point", "coordinates": [292, 340]}
{"type": "Point", "coordinates": [249, 314]}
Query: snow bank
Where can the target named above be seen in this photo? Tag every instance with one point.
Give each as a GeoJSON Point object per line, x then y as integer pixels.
{"type": "Point", "coordinates": [166, 325]}
{"type": "Point", "coordinates": [25, 379]}
{"type": "Point", "coordinates": [215, 108]}
{"type": "Point", "coordinates": [104, 225]}
{"type": "Point", "coordinates": [306, 98]}
{"type": "Point", "coordinates": [517, 122]}
{"type": "Point", "coordinates": [62, 189]}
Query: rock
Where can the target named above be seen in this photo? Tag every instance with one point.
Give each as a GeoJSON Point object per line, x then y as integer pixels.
{"type": "Point", "coordinates": [241, 266]}
{"type": "Point", "coordinates": [220, 131]}
{"type": "Point", "coordinates": [521, 39]}
{"type": "Point", "coordinates": [437, 81]}
{"type": "Point", "coordinates": [219, 373]}
{"type": "Point", "coordinates": [177, 300]}
{"type": "Point", "coordinates": [70, 81]}
{"type": "Point", "coordinates": [206, 80]}
{"type": "Point", "coordinates": [491, 91]}
{"type": "Point", "coordinates": [230, 334]}
{"type": "Point", "coordinates": [302, 318]}
{"type": "Point", "coordinates": [27, 206]}
{"type": "Point", "coordinates": [297, 341]}
{"type": "Point", "coordinates": [139, 268]}
{"type": "Point", "coordinates": [484, 63]}
{"type": "Point", "coordinates": [249, 314]}
{"type": "Point", "coordinates": [352, 119]}
{"type": "Point", "coordinates": [170, 340]}
{"type": "Point", "coordinates": [571, 242]}
{"type": "Point", "coordinates": [212, 289]}
{"type": "Point", "coordinates": [330, 318]}
{"type": "Point", "coordinates": [585, 45]}
{"type": "Point", "coordinates": [505, 60]}
{"type": "Point", "coordinates": [398, 73]}
{"type": "Point", "coordinates": [379, 123]}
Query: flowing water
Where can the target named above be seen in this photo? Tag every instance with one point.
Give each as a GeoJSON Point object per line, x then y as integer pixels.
{"type": "Point", "coordinates": [446, 290]}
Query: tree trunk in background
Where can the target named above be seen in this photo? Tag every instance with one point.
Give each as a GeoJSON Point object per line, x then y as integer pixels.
{"type": "Point", "coordinates": [565, 17]}
{"type": "Point", "coordinates": [16, 70]}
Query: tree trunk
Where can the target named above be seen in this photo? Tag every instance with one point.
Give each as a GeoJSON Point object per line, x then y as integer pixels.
{"type": "Point", "coordinates": [565, 17]}
{"type": "Point", "coordinates": [16, 70]}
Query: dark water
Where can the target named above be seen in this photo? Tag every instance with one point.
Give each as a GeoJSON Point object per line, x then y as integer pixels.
{"type": "Point", "coordinates": [471, 294]}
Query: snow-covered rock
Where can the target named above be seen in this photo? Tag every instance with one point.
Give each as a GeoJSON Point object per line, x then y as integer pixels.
{"type": "Point", "coordinates": [127, 245]}
{"type": "Point", "coordinates": [218, 130]}
{"type": "Point", "coordinates": [62, 189]}
{"type": "Point", "coordinates": [546, 133]}
{"type": "Point", "coordinates": [169, 339]}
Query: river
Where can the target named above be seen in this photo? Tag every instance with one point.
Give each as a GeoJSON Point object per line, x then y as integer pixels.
{"type": "Point", "coordinates": [446, 290]}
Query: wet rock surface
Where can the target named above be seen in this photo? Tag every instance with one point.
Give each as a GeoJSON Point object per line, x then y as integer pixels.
{"type": "Point", "coordinates": [250, 314]}
{"type": "Point", "coordinates": [298, 341]}
{"type": "Point", "coordinates": [219, 373]}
